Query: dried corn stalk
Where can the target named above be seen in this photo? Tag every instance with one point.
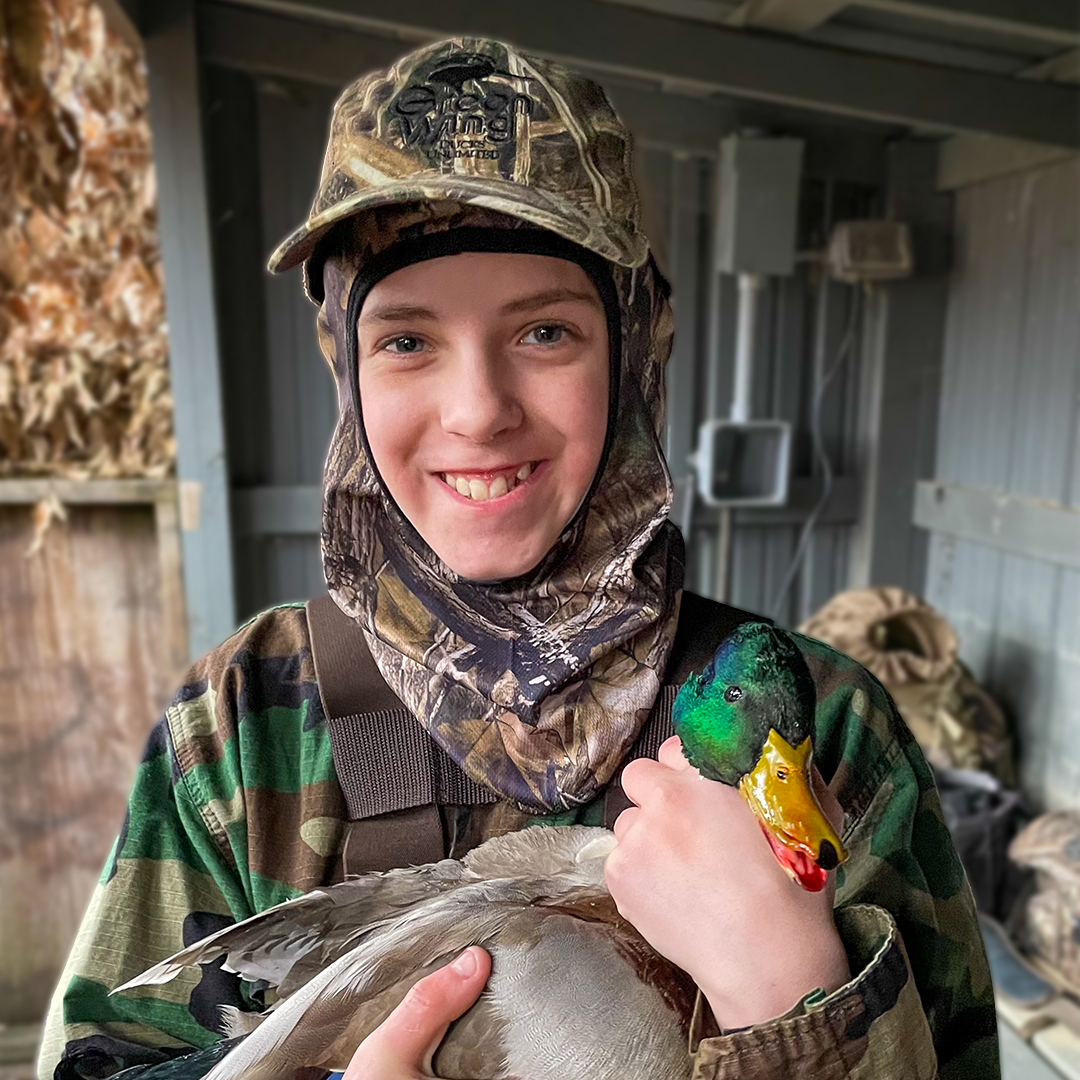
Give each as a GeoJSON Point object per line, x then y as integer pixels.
{"type": "Point", "coordinates": [84, 385]}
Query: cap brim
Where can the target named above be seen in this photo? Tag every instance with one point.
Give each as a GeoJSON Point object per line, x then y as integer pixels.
{"type": "Point", "coordinates": [543, 209]}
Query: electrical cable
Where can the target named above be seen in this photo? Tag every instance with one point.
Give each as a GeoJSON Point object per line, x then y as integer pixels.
{"type": "Point", "coordinates": [842, 353]}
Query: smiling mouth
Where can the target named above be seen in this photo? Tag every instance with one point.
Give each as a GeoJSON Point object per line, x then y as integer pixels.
{"type": "Point", "coordinates": [489, 485]}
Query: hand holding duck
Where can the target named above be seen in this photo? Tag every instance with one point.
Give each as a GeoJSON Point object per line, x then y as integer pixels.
{"type": "Point", "coordinates": [691, 871]}
{"type": "Point", "coordinates": [694, 876]}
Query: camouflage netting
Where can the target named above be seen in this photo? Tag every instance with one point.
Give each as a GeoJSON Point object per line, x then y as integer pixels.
{"type": "Point", "coordinates": [84, 384]}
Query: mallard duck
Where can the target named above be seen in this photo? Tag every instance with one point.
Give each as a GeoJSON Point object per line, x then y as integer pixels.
{"type": "Point", "coordinates": [748, 720]}
{"type": "Point", "coordinates": [566, 969]}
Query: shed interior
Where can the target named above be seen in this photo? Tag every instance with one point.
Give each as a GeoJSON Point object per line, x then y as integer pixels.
{"type": "Point", "coordinates": [950, 420]}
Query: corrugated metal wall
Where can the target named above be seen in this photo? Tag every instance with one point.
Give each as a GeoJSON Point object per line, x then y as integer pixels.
{"type": "Point", "coordinates": [265, 138]}
{"type": "Point", "coordinates": [1009, 423]}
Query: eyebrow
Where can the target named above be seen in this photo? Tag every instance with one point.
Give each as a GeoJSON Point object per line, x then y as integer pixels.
{"type": "Point", "coordinates": [408, 312]}
{"type": "Point", "coordinates": [549, 296]}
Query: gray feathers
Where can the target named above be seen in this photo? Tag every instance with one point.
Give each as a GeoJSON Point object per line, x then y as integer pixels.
{"type": "Point", "coordinates": [574, 991]}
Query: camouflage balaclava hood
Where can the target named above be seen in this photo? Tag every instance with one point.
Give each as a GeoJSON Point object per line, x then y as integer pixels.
{"type": "Point", "coordinates": [536, 686]}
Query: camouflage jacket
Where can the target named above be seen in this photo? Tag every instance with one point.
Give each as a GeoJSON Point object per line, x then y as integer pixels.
{"type": "Point", "coordinates": [236, 807]}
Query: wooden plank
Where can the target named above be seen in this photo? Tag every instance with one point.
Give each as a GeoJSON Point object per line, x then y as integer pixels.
{"type": "Point", "coordinates": [174, 636]}
{"type": "Point", "coordinates": [189, 297]}
{"type": "Point", "coordinates": [18, 1043]}
{"type": "Point", "coordinates": [1034, 528]}
{"type": "Point", "coordinates": [1019, 1061]}
{"type": "Point", "coordinates": [1045, 402]}
{"type": "Point", "coordinates": [87, 492]}
{"type": "Point", "coordinates": [720, 59]}
{"type": "Point", "coordinates": [786, 16]}
{"type": "Point", "coordinates": [1052, 21]}
{"type": "Point", "coordinates": [83, 677]}
{"type": "Point", "coordinates": [974, 159]}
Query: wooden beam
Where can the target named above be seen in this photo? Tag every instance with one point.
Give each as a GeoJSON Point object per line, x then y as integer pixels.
{"type": "Point", "coordinates": [189, 299]}
{"type": "Point", "coordinates": [269, 45]}
{"type": "Point", "coordinates": [718, 59]}
{"type": "Point", "coordinates": [1064, 67]}
{"type": "Point", "coordinates": [964, 160]}
{"type": "Point", "coordinates": [28, 490]}
{"type": "Point", "coordinates": [1034, 528]}
{"type": "Point", "coordinates": [1055, 21]}
{"type": "Point", "coordinates": [786, 16]}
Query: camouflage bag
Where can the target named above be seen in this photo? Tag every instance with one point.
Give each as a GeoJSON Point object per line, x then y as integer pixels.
{"type": "Point", "coordinates": [913, 650]}
{"type": "Point", "coordinates": [1049, 923]}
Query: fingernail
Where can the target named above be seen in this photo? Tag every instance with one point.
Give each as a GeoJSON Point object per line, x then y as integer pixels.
{"type": "Point", "coordinates": [465, 964]}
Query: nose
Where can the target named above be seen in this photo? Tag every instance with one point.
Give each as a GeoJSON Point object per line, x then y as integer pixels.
{"type": "Point", "coordinates": [479, 402]}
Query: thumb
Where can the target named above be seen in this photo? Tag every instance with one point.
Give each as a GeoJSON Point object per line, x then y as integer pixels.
{"type": "Point", "coordinates": [403, 1044]}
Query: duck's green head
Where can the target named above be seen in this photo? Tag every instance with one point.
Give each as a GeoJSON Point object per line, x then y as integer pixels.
{"type": "Point", "coordinates": [748, 720]}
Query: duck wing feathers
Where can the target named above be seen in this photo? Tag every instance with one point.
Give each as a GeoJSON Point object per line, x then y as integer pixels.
{"type": "Point", "coordinates": [567, 972]}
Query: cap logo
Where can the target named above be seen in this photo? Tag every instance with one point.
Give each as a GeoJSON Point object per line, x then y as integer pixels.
{"type": "Point", "coordinates": [461, 107]}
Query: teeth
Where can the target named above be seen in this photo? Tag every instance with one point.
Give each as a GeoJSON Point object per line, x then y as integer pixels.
{"type": "Point", "coordinates": [479, 491]}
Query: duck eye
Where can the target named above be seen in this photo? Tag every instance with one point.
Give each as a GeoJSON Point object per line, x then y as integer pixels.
{"type": "Point", "coordinates": [781, 773]}
{"type": "Point", "coordinates": [733, 693]}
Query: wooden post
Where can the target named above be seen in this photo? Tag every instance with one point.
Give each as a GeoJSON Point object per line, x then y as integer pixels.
{"type": "Point", "coordinates": [202, 467]}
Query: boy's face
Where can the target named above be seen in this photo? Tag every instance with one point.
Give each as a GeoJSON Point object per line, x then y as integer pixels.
{"type": "Point", "coordinates": [484, 388]}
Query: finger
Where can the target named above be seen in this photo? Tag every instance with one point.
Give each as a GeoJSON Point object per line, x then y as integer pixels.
{"type": "Point", "coordinates": [403, 1044]}
{"type": "Point", "coordinates": [641, 777]}
{"type": "Point", "coordinates": [625, 821]}
{"type": "Point", "coordinates": [671, 754]}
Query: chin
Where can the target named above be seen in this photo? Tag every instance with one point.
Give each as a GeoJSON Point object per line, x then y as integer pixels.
{"type": "Point", "coordinates": [480, 566]}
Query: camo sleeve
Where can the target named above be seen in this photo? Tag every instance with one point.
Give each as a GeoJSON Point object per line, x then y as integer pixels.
{"type": "Point", "coordinates": [873, 1028]}
{"type": "Point", "coordinates": [165, 884]}
{"type": "Point", "coordinates": [235, 807]}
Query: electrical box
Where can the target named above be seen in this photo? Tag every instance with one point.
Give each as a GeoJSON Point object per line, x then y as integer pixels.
{"type": "Point", "coordinates": [758, 205]}
{"type": "Point", "coordinates": [870, 251]}
{"type": "Point", "coordinates": [743, 463]}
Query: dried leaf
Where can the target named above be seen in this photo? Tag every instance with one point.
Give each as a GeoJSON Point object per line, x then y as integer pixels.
{"type": "Point", "coordinates": [46, 511]}
{"type": "Point", "coordinates": [84, 383]}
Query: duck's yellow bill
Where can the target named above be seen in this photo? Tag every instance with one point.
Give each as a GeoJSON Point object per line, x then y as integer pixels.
{"type": "Point", "coordinates": [781, 794]}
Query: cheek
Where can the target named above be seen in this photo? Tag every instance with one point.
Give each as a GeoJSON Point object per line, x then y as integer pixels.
{"type": "Point", "coordinates": [576, 405]}
{"type": "Point", "coordinates": [391, 420]}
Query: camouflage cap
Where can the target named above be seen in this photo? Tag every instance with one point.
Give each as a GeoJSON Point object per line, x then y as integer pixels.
{"type": "Point", "coordinates": [480, 123]}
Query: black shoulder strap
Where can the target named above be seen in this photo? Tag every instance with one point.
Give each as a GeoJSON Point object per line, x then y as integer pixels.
{"type": "Point", "coordinates": [347, 675]}
{"type": "Point", "coordinates": [385, 760]}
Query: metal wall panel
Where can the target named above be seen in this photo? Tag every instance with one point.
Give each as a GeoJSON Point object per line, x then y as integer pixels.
{"type": "Point", "coordinates": [1009, 423]}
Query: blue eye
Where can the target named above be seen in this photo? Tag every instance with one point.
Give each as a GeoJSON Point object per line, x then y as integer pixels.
{"type": "Point", "coordinates": [406, 344]}
{"type": "Point", "coordinates": [545, 335]}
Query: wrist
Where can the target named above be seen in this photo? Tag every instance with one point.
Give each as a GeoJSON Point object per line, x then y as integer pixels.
{"type": "Point", "coordinates": [755, 993]}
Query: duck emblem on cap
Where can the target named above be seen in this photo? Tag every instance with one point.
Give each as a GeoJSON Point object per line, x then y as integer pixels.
{"type": "Point", "coordinates": [460, 107]}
